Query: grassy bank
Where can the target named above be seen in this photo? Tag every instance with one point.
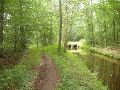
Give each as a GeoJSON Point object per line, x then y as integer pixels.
{"type": "Point", "coordinates": [19, 76]}
{"type": "Point", "coordinates": [74, 75]}
{"type": "Point", "coordinates": [109, 52]}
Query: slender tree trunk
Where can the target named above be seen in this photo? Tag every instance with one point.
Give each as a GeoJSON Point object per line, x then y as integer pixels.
{"type": "Point", "coordinates": [117, 37]}
{"type": "Point", "coordinates": [22, 28]}
{"type": "Point", "coordinates": [66, 27]}
{"type": "Point", "coordinates": [89, 22]}
{"type": "Point", "coordinates": [114, 24]}
{"type": "Point", "coordinates": [105, 31]}
{"type": "Point", "coordinates": [45, 40]}
{"type": "Point", "coordinates": [92, 31]}
{"type": "Point", "coordinates": [37, 41]}
{"type": "Point", "coordinates": [91, 25]}
{"type": "Point", "coordinates": [60, 27]}
{"type": "Point", "coordinates": [15, 38]}
{"type": "Point", "coordinates": [51, 31]}
{"type": "Point", "coordinates": [23, 39]}
{"type": "Point", "coordinates": [1, 25]}
{"type": "Point", "coordinates": [114, 33]}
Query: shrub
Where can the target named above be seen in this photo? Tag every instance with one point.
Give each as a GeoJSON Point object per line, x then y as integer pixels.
{"type": "Point", "coordinates": [83, 44]}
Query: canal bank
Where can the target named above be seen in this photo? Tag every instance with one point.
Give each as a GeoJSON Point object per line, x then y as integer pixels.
{"type": "Point", "coordinates": [112, 52]}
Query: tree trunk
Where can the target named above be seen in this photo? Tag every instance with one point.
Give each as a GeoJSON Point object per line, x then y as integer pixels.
{"type": "Point", "coordinates": [1, 25]}
{"type": "Point", "coordinates": [60, 27]}
{"type": "Point", "coordinates": [37, 38]}
{"type": "Point", "coordinates": [51, 31]}
{"type": "Point", "coordinates": [22, 28]}
{"type": "Point", "coordinates": [117, 41]}
{"type": "Point", "coordinates": [66, 27]}
{"type": "Point", "coordinates": [23, 38]}
{"type": "Point", "coordinates": [105, 31]}
{"type": "Point", "coordinates": [89, 22]}
{"type": "Point", "coordinates": [114, 33]}
{"type": "Point", "coordinates": [91, 25]}
{"type": "Point", "coordinates": [92, 31]}
{"type": "Point", "coordinates": [15, 38]}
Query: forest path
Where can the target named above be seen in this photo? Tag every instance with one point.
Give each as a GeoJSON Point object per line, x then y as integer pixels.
{"type": "Point", "coordinates": [47, 78]}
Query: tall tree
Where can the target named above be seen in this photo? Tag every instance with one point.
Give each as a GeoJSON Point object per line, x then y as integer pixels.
{"type": "Point", "coordinates": [51, 30]}
{"type": "Point", "coordinates": [22, 27]}
{"type": "Point", "coordinates": [66, 26]}
{"type": "Point", "coordinates": [60, 27]}
{"type": "Point", "coordinates": [1, 23]}
{"type": "Point", "coordinates": [89, 15]}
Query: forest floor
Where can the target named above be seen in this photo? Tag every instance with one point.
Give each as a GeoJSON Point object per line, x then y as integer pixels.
{"type": "Point", "coordinates": [9, 60]}
{"type": "Point", "coordinates": [47, 77]}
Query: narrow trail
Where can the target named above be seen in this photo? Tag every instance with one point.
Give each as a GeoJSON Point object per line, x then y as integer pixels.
{"type": "Point", "coordinates": [47, 78]}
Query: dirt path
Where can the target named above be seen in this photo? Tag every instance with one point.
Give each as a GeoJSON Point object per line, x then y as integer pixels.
{"type": "Point", "coordinates": [47, 78]}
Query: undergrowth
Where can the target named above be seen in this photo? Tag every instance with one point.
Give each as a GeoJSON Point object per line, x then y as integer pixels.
{"type": "Point", "coordinates": [19, 77]}
{"type": "Point", "coordinates": [74, 75]}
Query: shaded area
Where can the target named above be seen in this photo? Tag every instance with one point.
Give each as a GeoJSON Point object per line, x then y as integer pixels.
{"type": "Point", "coordinates": [10, 60]}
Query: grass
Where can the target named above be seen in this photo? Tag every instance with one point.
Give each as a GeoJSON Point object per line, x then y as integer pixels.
{"type": "Point", "coordinates": [19, 77]}
{"type": "Point", "coordinates": [74, 75]}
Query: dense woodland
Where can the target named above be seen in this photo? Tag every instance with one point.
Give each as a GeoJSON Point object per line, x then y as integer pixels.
{"type": "Point", "coordinates": [24, 23]}
{"type": "Point", "coordinates": [37, 22]}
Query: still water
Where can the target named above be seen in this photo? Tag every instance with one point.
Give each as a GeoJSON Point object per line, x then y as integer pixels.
{"type": "Point", "coordinates": [107, 70]}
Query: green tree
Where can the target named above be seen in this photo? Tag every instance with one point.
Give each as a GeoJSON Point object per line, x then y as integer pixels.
{"type": "Point", "coordinates": [60, 27]}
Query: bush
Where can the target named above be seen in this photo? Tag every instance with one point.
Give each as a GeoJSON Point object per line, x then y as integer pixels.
{"type": "Point", "coordinates": [83, 44]}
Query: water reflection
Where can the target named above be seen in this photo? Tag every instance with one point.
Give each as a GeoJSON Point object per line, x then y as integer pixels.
{"type": "Point", "coordinates": [107, 70]}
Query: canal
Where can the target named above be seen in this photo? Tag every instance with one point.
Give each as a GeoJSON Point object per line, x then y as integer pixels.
{"type": "Point", "coordinates": [106, 69]}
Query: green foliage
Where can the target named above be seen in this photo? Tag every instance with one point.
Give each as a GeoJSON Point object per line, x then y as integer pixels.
{"type": "Point", "coordinates": [26, 22]}
{"type": "Point", "coordinates": [74, 75]}
{"type": "Point", "coordinates": [20, 76]}
{"type": "Point", "coordinates": [96, 21]}
{"type": "Point", "coordinates": [30, 21]}
{"type": "Point", "coordinates": [83, 44]}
